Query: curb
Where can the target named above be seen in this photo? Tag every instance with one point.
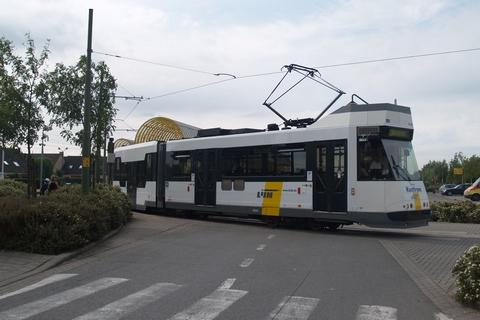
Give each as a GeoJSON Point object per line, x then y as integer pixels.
{"type": "Point", "coordinates": [59, 259]}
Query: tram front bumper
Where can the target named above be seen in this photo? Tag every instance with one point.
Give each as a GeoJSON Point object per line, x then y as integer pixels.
{"type": "Point", "coordinates": [399, 219]}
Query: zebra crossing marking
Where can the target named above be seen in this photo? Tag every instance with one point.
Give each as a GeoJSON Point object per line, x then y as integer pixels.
{"type": "Point", "coordinates": [121, 307]}
{"type": "Point", "coordinates": [39, 284]}
{"type": "Point", "coordinates": [376, 313]}
{"type": "Point", "coordinates": [56, 300]}
{"type": "Point", "coordinates": [211, 306]}
{"type": "Point", "coordinates": [207, 308]}
{"type": "Point", "coordinates": [294, 308]}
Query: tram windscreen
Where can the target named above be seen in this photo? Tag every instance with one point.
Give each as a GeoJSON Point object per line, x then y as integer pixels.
{"type": "Point", "coordinates": [386, 159]}
{"type": "Point", "coordinates": [402, 159]}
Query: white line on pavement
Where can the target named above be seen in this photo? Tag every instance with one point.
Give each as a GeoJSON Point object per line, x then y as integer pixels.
{"type": "Point", "coordinates": [376, 313]}
{"type": "Point", "coordinates": [271, 237]}
{"type": "Point", "coordinates": [211, 306]}
{"type": "Point", "coordinates": [56, 300]}
{"type": "Point", "coordinates": [41, 283]}
{"type": "Point", "coordinates": [227, 284]}
{"type": "Point", "coordinates": [441, 316]}
{"type": "Point", "coordinates": [294, 308]}
{"type": "Point", "coordinates": [261, 247]}
{"type": "Point", "coordinates": [245, 263]}
{"type": "Point", "coordinates": [120, 308]}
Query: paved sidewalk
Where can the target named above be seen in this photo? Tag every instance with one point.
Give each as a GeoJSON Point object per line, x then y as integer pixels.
{"type": "Point", "coordinates": [434, 248]}
{"type": "Point", "coordinates": [428, 255]}
{"type": "Point", "coordinates": [15, 264]}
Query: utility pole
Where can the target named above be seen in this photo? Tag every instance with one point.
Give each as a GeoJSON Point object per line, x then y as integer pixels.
{"type": "Point", "coordinates": [86, 145]}
{"type": "Point", "coordinates": [41, 157]}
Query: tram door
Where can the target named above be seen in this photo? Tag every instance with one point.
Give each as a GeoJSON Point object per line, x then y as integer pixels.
{"type": "Point", "coordinates": [205, 165]}
{"type": "Point", "coordinates": [132, 183]}
{"type": "Point", "coordinates": [330, 176]}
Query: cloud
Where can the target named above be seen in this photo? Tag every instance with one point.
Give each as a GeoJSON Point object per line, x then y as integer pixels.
{"type": "Point", "coordinates": [244, 38]}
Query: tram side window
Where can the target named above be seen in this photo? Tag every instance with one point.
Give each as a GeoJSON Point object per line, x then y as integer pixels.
{"type": "Point", "coordinates": [179, 165]}
{"type": "Point", "coordinates": [235, 162]}
{"type": "Point", "coordinates": [291, 161]}
{"type": "Point", "coordinates": [284, 163]}
{"type": "Point", "coordinates": [151, 167]}
{"type": "Point", "coordinates": [372, 161]}
{"type": "Point", "coordinates": [120, 172]}
{"type": "Point", "coordinates": [141, 177]}
{"type": "Point", "coordinates": [264, 161]}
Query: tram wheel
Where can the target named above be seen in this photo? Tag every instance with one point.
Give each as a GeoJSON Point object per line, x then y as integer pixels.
{"type": "Point", "coordinates": [333, 226]}
{"type": "Point", "coordinates": [272, 222]}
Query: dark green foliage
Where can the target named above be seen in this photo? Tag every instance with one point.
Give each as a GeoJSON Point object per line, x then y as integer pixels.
{"type": "Point", "coordinates": [433, 173]}
{"type": "Point", "coordinates": [12, 188]}
{"type": "Point", "coordinates": [47, 168]}
{"type": "Point", "coordinates": [62, 221]}
{"type": "Point", "coordinates": [14, 184]}
{"type": "Point", "coordinates": [467, 272]}
{"type": "Point", "coordinates": [459, 211]}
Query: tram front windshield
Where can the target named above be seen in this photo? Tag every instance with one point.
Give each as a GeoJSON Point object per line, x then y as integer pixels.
{"type": "Point", "coordinates": [386, 159]}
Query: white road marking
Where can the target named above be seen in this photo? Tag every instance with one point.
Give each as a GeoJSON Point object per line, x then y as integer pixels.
{"type": "Point", "coordinates": [261, 247]}
{"type": "Point", "coordinates": [294, 308]}
{"type": "Point", "coordinates": [441, 316]}
{"type": "Point", "coordinates": [56, 300]}
{"type": "Point", "coordinates": [376, 313]}
{"type": "Point", "coordinates": [41, 283]}
{"type": "Point", "coordinates": [227, 284]}
{"type": "Point", "coordinates": [245, 263]}
{"type": "Point", "coordinates": [120, 308]}
{"type": "Point", "coordinates": [211, 306]}
{"type": "Point", "coordinates": [271, 237]}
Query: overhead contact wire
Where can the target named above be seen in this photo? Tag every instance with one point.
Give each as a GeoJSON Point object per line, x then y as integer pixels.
{"type": "Point", "coordinates": [157, 63]}
{"type": "Point", "coordinates": [397, 58]}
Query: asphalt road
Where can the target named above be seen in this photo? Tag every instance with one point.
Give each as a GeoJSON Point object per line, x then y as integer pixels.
{"type": "Point", "coordinates": [163, 267]}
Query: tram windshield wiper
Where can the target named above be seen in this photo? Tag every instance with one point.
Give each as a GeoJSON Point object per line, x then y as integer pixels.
{"type": "Point", "coordinates": [399, 169]}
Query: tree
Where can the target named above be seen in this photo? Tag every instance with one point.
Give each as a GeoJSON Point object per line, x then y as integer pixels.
{"type": "Point", "coordinates": [63, 95]}
{"type": "Point", "coordinates": [21, 108]}
{"type": "Point", "coordinates": [11, 132]}
{"type": "Point", "coordinates": [28, 77]}
{"type": "Point", "coordinates": [434, 173]}
{"type": "Point", "coordinates": [471, 167]}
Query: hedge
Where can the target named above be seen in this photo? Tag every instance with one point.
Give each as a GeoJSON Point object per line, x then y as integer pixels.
{"type": "Point", "coordinates": [467, 272]}
{"type": "Point", "coordinates": [458, 211]}
{"type": "Point", "coordinates": [62, 221]}
{"type": "Point", "coordinates": [12, 188]}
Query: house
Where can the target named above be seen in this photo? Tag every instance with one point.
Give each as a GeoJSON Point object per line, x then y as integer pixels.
{"type": "Point", "coordinates": [14, 164]}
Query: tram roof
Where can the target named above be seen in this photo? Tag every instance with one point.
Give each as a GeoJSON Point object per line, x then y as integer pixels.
{"type": "Point", "coordinates": [353, 107]}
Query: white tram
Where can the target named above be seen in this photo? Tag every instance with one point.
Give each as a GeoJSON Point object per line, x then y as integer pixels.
{"type": "Point", "coordinates": [355, 165]}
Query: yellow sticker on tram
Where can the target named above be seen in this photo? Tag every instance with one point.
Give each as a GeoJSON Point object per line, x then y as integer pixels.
{"type": "Point", "coordinates": [416, 198]}
{"type": "Point", "coordinates": [272, 195]}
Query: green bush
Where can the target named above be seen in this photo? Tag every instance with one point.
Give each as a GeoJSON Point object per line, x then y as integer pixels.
{"type": "Point", "coordinates": [62, 221]}
{"type": "Point", "coordinates": [467, 272]}
{"type": "Point", "coordinates": [459, 211]}
{"type": "Point", "coordinates": [12, 188]}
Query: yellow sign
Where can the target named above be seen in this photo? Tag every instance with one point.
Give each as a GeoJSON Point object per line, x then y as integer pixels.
{"type": "Point", "coordinates": [458, 171]}
{"type": "Point", "coordinates": [86, 162]}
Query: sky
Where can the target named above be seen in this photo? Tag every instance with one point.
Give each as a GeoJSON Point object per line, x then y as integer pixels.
{"type": "Point", "coordinates": [251, 37]}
